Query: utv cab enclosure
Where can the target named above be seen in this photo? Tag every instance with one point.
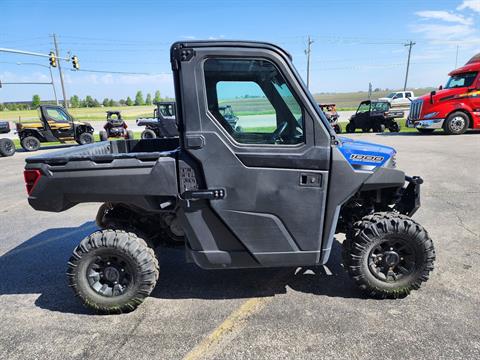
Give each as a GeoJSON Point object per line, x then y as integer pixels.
{"type": "Point", "coordinates": [270, 194]}
{"type": "Point", "coordinates": [163, 124]}
{"type": "Point", "coordinates": [55, 124]}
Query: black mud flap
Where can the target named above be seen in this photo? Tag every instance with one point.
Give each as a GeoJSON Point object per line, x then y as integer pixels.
{"type": "Point", "coordinates": [409, 200]}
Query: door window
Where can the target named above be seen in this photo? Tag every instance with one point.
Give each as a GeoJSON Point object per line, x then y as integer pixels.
{"type": "Point", "coordinates": [57, 115]}
{"type": "Point", "coordinates": [363, 108]}
{"type": "Point", "coordinates": [398, 96]}
{"type": "Point", "coordinates": [251, 100]}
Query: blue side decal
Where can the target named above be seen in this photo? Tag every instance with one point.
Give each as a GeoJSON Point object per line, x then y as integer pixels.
{"type": "Point", "coordinates": [364, 153]}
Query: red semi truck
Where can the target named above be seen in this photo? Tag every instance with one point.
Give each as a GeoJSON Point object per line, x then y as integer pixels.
{"type": "Point", "coordinates": [455, 108]}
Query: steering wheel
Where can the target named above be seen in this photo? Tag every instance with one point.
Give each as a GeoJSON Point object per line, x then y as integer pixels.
{"type": "Point", "coordinates": [277, 134]}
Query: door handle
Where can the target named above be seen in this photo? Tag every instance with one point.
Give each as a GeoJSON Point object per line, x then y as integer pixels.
{"type": "Point", "coordinates": [311, 180]}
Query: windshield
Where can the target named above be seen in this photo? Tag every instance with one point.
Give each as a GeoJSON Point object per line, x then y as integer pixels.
{"type": "Point", "coordinates": [391, 95]}
{"type": "Point", "coordinates": [461, 80]}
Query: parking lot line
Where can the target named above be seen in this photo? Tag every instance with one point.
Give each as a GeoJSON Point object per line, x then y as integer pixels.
{"type": "Point", "coordinates": [234, 323]}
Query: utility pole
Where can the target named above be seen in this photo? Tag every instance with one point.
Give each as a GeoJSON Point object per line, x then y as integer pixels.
{"type": "Point", "coordinates": [308, 50]}
{"type": "Point", "coordinates": [456, 58]}
{"type": "Point", "coordinates": [57, 53]}
{"type": "Point", "coordinates": [410, 44]}
{"type": "Point", "coordinates": [369, 91]}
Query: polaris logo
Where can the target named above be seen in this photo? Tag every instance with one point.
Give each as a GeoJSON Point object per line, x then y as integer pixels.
{"type": "Point", "coordinates": [366, 158]}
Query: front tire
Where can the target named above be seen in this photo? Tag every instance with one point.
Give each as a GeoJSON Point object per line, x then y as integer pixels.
{"type": "Point", "coordinates": [30, 143]}
{"type": "Point", "coordinates": [148, 134]}
{"type": "Point", "coordinates": [388, 255]}
{"type": "Point", "coordinates": [456, 123]}
{"type": "Point", "coordinates": [112, 271]}
{"type": "Point", "coordinates": [7, 147]}
{"type": "Point", "coordinates": [85, 138]}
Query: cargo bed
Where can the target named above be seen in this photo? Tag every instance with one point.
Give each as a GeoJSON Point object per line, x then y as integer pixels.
{"type": "Point", "coordinates": [139, 172]}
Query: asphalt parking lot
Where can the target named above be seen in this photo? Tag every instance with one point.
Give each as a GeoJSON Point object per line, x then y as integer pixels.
{"type": "Point", "coordinates": [313, 313]}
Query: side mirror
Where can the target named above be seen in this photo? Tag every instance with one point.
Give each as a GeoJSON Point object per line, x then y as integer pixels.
{"type": "Point", "coordinates": [432, 94]}
{"type": "Point", "coordinates": [440, 87]}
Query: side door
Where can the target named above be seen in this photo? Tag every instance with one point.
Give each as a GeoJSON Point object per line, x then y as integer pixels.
{"type": "Point", "coordinates": [398, 99]}
{"type": "Point", "coordinates": [59, 122]}
{"type": "Point", "coordinates": [273, 165]}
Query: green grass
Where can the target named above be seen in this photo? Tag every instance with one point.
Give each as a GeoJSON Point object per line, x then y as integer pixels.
{"type": "Point", "coordinates": [86, 114]}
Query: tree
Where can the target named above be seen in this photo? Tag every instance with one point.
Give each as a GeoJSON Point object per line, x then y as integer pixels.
{"type": "Point", "coordinates": [139, 99]}
{"type": "Point", "coordinates": [106, 102]}
{"type": "Point", "coordinates": [157, 97]}
{"type": "Point", "coordinates": [35, 101]}
{"type": "Point", "coordinates": [74, 101]}
{"type": "Point", "coordinates": [122, 102]}
{"type": "Point", "coordinates": [129, 101]}
{"type": "Point", "coordinates": [148, 100]}
{"type": "Point", "coordinates": [112, 102]}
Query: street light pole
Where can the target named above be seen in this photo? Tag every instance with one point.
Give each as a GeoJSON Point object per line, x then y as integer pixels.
{"type": "Point", "coordinates": [51, 77]}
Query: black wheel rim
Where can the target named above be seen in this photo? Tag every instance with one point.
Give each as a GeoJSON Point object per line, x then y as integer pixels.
{"type": "Point", "coordinates": [31, 144]}
{"type": "Point", "coordinates": [8, 147]}
{"type": "Point", "coordinates": [392, 260]}
{"type": "Point", "coordinates": [110, 275]}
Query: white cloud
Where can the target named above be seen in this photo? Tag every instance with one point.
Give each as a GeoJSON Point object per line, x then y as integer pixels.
{"type": "Point", "coordinates": [470, 4]}
{"type": "Point", "coordinates": [444, 16]}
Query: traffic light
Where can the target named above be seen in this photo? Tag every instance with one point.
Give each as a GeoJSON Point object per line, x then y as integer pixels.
{"type": "Point", "coordinates": [75, 63]}
{"type": "Point", "coordinates": [53, 59]}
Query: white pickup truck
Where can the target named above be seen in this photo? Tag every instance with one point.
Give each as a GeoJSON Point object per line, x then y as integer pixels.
{"type": "Point", "coordinates": [399, 98]}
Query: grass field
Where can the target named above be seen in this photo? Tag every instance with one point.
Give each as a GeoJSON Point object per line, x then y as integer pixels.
{"type": "Point", "coordinates": [88, 114]}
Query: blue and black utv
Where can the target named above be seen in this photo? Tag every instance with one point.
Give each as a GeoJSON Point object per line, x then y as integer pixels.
{"type": "Point", "coordinates": [273, 192]}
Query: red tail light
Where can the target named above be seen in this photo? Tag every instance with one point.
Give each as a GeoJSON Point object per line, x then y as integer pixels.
{"type": "Point", "coordinates": [31, 179]}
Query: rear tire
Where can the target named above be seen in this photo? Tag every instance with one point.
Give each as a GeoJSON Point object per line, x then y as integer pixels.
{"type": "Point", "coordinates": [337, 128]}
{"type": "Point", "coordinates": [148, 134]}
{"type": "Point", "coordinates": [30, 143]}
{"type": "Point", "coordinates": [456, 123]}
{"type": "Point", "coordinates": [350, 128]}
{"type": "Point", "coordinates": [103, 136]}
{"type": "Point", "coordinates": [394, 127]}
{"type": "Point", "coordinates": [85, 138]}
{"type": "Point", "coordinates": [388, 255]}
{"type": "Point", "coordinates": [112, 271]}
{"type": "Point", "coordinates": [7, 147]}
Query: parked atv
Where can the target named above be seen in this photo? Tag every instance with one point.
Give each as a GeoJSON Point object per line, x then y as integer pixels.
{"type": "Point", "coordinates": [55, 125]}
{"type": "Point", "coordinates": [330, 111]}
{"type": "Point", "coordinates": [163, 124]}
{"type": "Point", "coordinates": [269, 197]}
{"type": "Point", "coordinates": [115, 127]}
{"type": "Point", "coordinates": [227, 112]}
{"type": "Point", "coordinates": [7, 147]}
{"type": "Point", "coordinates": [376, 116]}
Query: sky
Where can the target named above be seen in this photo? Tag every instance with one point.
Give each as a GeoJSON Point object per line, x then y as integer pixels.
{"type": "Point", "coordinates": [355, 42]}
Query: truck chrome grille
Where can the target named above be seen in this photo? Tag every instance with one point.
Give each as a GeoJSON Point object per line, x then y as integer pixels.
{"type": "Point", "coordinates": [415, 109]}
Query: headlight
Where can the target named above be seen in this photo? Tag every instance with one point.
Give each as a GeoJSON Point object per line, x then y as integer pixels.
{"type": "Point", "coordinates": [392, 162]}
{"type": "Point", "coordinates": [430, 115]}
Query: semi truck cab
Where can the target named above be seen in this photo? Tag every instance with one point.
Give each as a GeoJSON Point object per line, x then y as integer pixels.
{"type": "Point", "coordinates": [455, 107]}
